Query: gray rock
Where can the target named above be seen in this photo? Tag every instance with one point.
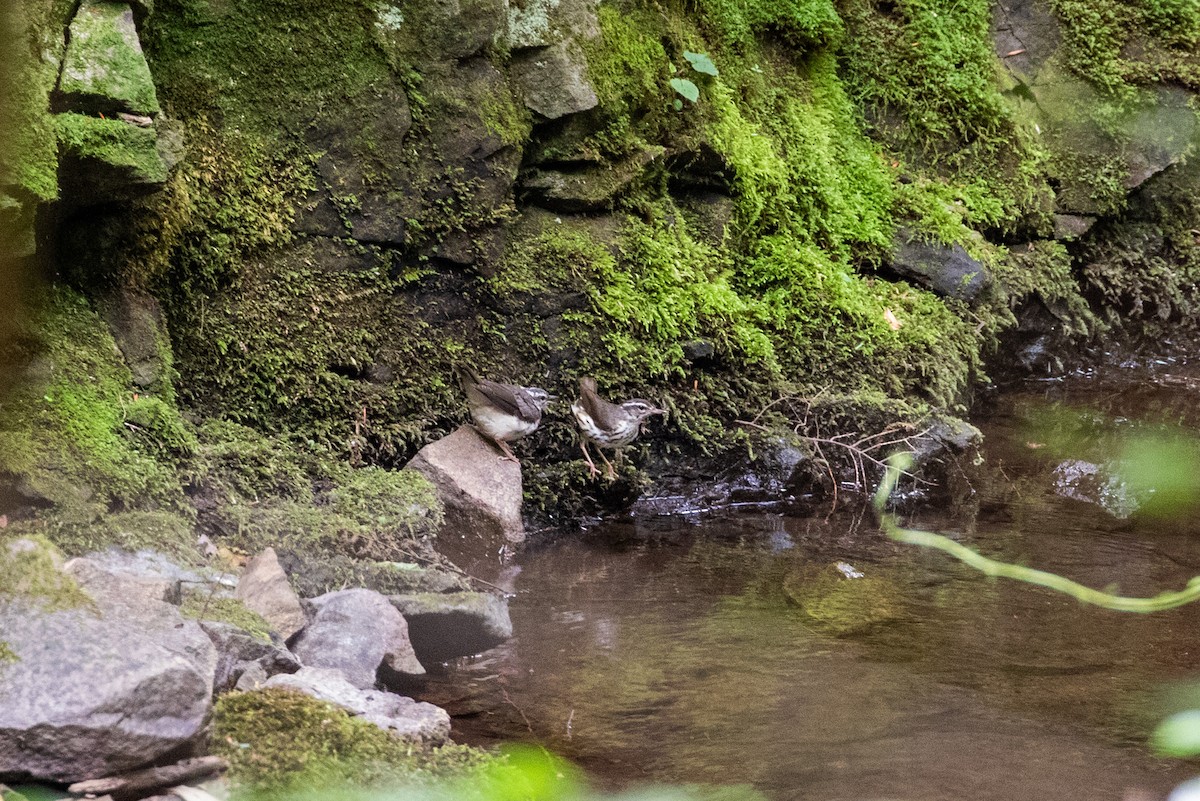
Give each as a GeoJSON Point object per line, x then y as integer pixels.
{"type": "Point", "coordinates": [1072, 226]}
{"type": "Point", "coordinates": [480, 493]}
{"type": "Point", "coordinates": [238, 653]}
{"type": "Point", "coordinates": [402, 717]}
{"type": "Point", "coordinates": [541, 23]}
{"type": "Point", "coordinates": [104, 69]}
{"type": "Point", "coordinates": [102, 580]}
{"type": "Point", "coordinates": [264, 588]}
{"type": "Point", "coordinates": [356, 631]}
{"type": "Point", "coordinates": [947, 271]}
{"type": "Point", "coordinates": [136, 322]}
{"type": "Point", "coordinates": [313, 576]}
{"type": "Point", "coordinates": [253, 677]}
{"type": "Point", "coordinates": [447, 625]}
{"type": "Point", "coordinates": [554, 80]}
{"type": "Point", "coordinates": [99, 690]}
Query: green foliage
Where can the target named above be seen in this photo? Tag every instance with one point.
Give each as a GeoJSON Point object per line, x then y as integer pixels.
{"type": "Point", "coordinates": [281, 743]}
{"type": "Point", "coordinates": [1178, 735]}
{"type": "Point", "coordinates": [701, 63]}
{"type": "Point", "coordinates": [685, 89]}
{"type": "Point", "coordinates": [161, 423]}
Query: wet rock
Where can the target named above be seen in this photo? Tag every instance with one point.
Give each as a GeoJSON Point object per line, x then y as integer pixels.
{"type": "Point", "coordinates": [356, 631]}
{"type": "Point", "coordinates": [314, 576]}
{"type": "Point", "coordinates": [448, 625]}
{"type": "Point", "coordinates": [99, 689]}
{"type": "Point", "coordinates": [1026, 34]}
{"type": "Point", "coordinates": [402, 717]}
{"type": "Point", "coordinates": [589, 189]}
{"type": "Point", "coordinates": [842, 599]}
{"type": "Point", "coordinates": [554, 80]}
{"type": "Point", "coordinates": [264, 588]}
{"type": "Point", "coordinates": [710, 214]}
{"type": "Point", "coordinates": [480, 493]}
{"type": "Point", "coordinates": [137, 324]}
{"type": "Point", "coordinates": [1098, 485]}
{"type": "Point", "coordinates": [104, 70]}
{"type": "Point", "coordinates": [947, 271]}
{"type": "Point", "coordinates": [238, 651]}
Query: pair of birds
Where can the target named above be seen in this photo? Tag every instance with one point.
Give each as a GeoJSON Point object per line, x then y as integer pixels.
{"type": "Point", "coordinates": [506, 412]}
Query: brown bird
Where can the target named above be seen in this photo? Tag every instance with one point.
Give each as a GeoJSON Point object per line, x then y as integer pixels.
{"type": "Point", "coordinates": [503, 412]}
{"type": "Point", "coordinates": [608, 425]}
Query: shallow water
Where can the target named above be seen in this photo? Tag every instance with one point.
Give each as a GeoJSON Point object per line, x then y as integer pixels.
{"type": "Point", "coordinates": [673, 650]}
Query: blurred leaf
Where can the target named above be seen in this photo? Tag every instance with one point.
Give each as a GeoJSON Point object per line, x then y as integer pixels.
{"type": "Point", "coordinates": [1163, 468]}
{"type": "Point", "coordinates": [1178, 735]}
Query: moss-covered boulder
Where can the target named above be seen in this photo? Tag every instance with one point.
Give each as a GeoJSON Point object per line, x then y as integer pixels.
{"type": "Point", "coordinates": [104, 70]}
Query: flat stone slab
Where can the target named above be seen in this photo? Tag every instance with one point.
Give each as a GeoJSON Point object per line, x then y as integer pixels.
{"type": "Point", "coordinates": [397, 714]}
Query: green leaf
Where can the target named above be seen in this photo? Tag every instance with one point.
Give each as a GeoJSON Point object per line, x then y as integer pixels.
{"type": "Point", "coordinates": [686, 88]}
{"type": "Point", "coordinates": [701, 63]}
{"type": "Point", "coordinates": [1178, 735]}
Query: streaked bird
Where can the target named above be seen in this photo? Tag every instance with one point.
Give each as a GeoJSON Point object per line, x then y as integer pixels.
{"type": "Point", "coordinates": [503, 412]}
{"type": "Point", "coordinates": [608, 425]}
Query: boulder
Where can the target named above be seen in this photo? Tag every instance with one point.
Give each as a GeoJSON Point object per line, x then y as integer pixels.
{"type": "Point", "coordinates": [541, 23]}
{"type": "Point", "coordinates": [480, 493]}
{"type": "Point", "coordinates": [947, 271]}
{"type": "Point", "coordinates": [104, 70]}
{"type": "Point", "coordinates": [264, 588]}
{"type": "Point", "coordinates": [401, 716]}
{"type": "Point", "coordinates": [356, 631]}
{"type": "Point", "coordinates": [843, 601]}
{"type": "Point", "coordinates": [97, 689]}
{"type": "Point", "coordinates": [238, 651]}
{"type": "Point", "coordinates": [447, 625]}
{"type": "Point", "coordinates": [554, 80]}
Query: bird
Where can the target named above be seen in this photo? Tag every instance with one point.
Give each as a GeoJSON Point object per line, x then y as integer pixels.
{"type": "Point", "coordinates": [503, 412]}
{"type": "Point", "coordinates": [608, 425]}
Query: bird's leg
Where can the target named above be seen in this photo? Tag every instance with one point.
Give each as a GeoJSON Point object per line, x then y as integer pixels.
{"type": "Point", "coordinates": [508, 456]}
{"type": "Point", "coordinates": [593, 472]}
{"type": "Point", "coordinates": [612, 471]}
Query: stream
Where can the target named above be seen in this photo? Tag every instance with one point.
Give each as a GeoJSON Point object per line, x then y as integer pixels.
{"type": "Point", "coordinates": [695, 649]}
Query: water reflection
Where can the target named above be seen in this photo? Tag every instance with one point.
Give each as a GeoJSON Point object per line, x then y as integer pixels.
{"type": "Point", "coordinates": [737, 650]}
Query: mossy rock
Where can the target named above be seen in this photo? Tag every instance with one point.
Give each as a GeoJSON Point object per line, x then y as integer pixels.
{"type": "Point", "coordinates": [104, 70]}
{"type": "Point", "coordinates": [842, 603]}
{"type": "Point", "coordinates": [281, 741]}
{"type": "Point", "coordinates": [31, 573]}
{"type": "Point", "coordinates": [107, 158]}
{"type": "Point", "coordinates": [203, 604]}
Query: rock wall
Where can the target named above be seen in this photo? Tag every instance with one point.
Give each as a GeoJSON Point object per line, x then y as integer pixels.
{"type": "Point", "coordinates": [717, 205]}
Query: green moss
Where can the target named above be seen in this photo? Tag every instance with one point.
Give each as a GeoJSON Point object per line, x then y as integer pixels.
{"type": "Point", "coordinates": [279, 742]}
{"type": "Point", "coordinates": [1043, 271]}
{"type": "Point", "coordinates": [804, 24]}
{"type": "Point", "coordinates": [200, 604]}
{"type": "Point", "coordinates": [113, 142]}
{"type": "Point", "coordinates": [63, 431]}
{"type": "Point", "coordinates": [260, 63]}
{"type": "Point", "coordinates": [32, 571]}
{"type": "Point", "coordinates": [31, 35]}
{"type": "Point", "coordinates": [507, 119]}
{"type": "Point", "coordinates": [292, 494]}
{"type": "Point", "coordinates": [104, 60]}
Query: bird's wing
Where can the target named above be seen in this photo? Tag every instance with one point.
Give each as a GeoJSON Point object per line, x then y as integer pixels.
{"type": "Point", "coordinates": [597, 408]}
{"type": "Point", "coordinates": [509, 399]}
